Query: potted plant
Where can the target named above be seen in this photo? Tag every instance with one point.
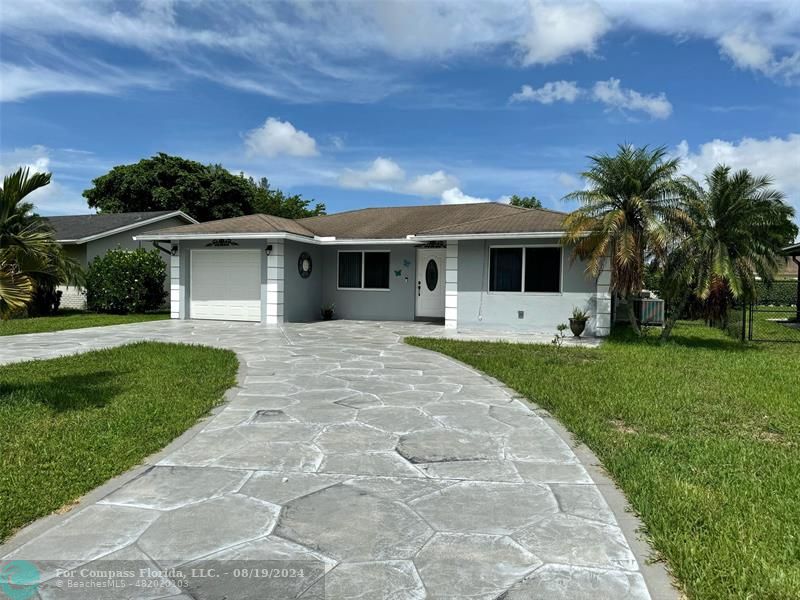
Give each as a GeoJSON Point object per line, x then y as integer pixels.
{"type": "Point", "coordinates": [577, 322]}
{"type": "Point", "coordinates": [327, 311]}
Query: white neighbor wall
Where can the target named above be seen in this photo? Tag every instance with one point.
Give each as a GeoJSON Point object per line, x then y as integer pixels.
{"type": "Point", "coordinates": [451, 287]}
{"type": "Point", "coordinates": [275, 287]}
{"type": "Point", "coordinates": [175, 291]}
{"type": "Point", "coordinates": [602, 326]}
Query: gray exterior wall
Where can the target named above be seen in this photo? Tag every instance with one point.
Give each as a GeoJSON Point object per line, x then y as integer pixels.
{"type": "Point", "coordinates": [302, 297]}
{"type": "Point", "coordinates": [479, 308]}
{"type": "Point", "coordinates": [396, 304]}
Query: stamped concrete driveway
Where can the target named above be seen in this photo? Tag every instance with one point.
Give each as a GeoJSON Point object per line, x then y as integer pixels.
{"type": "Point", "coordinates": [402, 473]}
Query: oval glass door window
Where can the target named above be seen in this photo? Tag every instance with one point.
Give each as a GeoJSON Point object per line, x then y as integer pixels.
{"type": "Point", "coordinates": [431, 275]}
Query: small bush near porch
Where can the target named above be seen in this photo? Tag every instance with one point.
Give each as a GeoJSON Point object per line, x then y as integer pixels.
{"type": "Point", "coordinates": [702, 434]}
{"type": "Point", "coordinates": [69, 424]}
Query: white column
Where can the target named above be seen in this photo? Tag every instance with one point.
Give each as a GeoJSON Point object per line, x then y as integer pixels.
{"type": "Point", "coordinates": [275, 284]}
{"type": "Point", "coordinates": [175, 296]}
{"type": "Point", "coordinates": [602, 323]}
{"type": "Point", "coordinates": [451, 287]}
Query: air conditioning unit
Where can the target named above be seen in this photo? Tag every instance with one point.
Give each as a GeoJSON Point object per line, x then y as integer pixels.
{"type": "Point", "coordinates": [650, 311]}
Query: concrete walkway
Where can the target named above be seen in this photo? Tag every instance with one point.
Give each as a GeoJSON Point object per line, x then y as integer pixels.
{"type": "Point", "coordinates": [399, 472]}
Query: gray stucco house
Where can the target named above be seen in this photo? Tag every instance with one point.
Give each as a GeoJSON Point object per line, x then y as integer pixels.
{"type": "Point", "coordinates": [472, 266]}
{"type": "Point", "coordinates": [85, 237]}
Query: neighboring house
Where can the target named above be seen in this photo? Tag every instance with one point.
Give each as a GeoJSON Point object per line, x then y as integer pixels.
{"type": "Point", "coordinates": [84, 237]}
{"type": "Point", "coordinates": [791, 268]}
{"type": "Point", "coordinates": [793, 255]}
{"type": "Point", "coordinates": [472, 266]}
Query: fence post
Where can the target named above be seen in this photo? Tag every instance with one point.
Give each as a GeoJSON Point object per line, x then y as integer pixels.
{"type": "Point", "coordinates": [744, 320]}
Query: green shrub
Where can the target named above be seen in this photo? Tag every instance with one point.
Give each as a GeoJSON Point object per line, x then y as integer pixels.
{"type": "Point", "coordinates": [776, 293]}
{"type": "Point", "coordinates": [124, 281]}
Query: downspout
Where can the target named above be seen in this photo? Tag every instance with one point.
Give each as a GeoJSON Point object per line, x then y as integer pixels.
{"type": "Point", "coordinates": [167, 251]}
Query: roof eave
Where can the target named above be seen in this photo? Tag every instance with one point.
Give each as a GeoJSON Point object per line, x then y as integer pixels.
{"type": "Point", "coordinates": [793, 250]}
{"type": "Point", "coordinates": [317, 240]}
{"type": "Point", "coordinates": [124, 228]}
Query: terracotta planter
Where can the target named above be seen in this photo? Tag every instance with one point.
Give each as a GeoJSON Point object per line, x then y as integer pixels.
{"type": "Point", "coordinates": [577, 326]}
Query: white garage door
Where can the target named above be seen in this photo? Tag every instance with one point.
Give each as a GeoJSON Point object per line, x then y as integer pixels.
{"type": "Point", "coordinates": [226, 285]}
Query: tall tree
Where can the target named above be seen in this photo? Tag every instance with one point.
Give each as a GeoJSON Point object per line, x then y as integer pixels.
{"type": "Point", "coordinates": [626, 214]}
{"type": "Point", "coordinates": [30, 257]}
{"type": "Point", "coordinates": [206, 192]}
{"type": "Point", "coordinates": [525, 201]}
{"type": "Point", "coordinates": [738, 224]}
{"type": "Point", "coordinates": [273, 201]}
{"type": "Point", "coordinates": [165, 182]}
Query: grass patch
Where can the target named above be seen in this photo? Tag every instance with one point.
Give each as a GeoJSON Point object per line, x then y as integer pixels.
{"type": "Point", "coordinates": [69, 424]}
{"type": "Point", "coordinates": [702, 434]}
{"type": "Point", "coordinates": [72, 319]}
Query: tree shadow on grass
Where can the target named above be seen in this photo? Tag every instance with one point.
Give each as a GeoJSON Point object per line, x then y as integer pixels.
{"type": "Point", "coordinates": [687, 335]}
{"type": "Point", "coordinates": [64, 393]}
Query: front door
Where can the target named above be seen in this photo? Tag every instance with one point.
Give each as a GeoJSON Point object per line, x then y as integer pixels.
{"type": "Point", "coordinates": [430, 282]}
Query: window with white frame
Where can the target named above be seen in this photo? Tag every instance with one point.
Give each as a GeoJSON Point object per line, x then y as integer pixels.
{"type": "Point", "coordinates": [363, 269]}
{"type": "Point", "coordinates": [525, 269]}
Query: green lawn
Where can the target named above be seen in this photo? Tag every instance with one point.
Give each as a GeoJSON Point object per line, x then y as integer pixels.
{"type": "Point", "coordinates": [69, 424]}
{"type": "Point", "coordinates": [702, 434]}
{"type": "Point", "coordinates": [69, 319]}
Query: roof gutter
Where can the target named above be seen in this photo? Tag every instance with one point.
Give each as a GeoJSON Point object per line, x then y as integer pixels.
{"type": "Point", "coordinates": [316, 240]}
{"type": "Point", "coordinates": [487, 236]}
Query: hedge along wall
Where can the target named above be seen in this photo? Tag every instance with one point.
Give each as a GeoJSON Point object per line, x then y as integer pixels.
{"type": "Point", "coordinates": [777, 293]}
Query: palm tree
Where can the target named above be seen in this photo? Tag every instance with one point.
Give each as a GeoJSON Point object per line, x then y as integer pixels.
{"type": "Point", "coordinates": [627, 213]}
{"type": "Point", "coordinates": [738, 225]}
{"type": "Point", "coordinates": [30, 257]}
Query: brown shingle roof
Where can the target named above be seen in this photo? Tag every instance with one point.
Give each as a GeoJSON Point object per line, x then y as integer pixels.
{"type": "Point", "coordinates": [523, 221]}
{"type": "Point", "coordinates": [401, 221]}
{"type": "Point", "coordinates": [391, 222]}
{"type": "Point", "coordinates": [257, 223]}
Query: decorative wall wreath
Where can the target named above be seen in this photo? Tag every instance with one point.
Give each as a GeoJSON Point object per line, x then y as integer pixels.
{"type": "Point", "coordinates": [304, 265]}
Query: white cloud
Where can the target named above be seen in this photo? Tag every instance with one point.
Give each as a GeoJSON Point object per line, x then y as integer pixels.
{"type": "Point", "coordinates": [776, 157]}
{"type": "Point", "coordinates": [20, 82]}
{"type": "Point", "coordinates": [609, 92]}
{"type": "Point", "coordinates": [275, 138]}
{"type": "Point", "coordinates": [53, 198]}
{"type": "Point", "coordinates": [559, 29]}
{"type": "Point", "coordinates": [568, 181]}
{"type": "Point", "coordinates": [747, 51]}
{"type": "Point", "coordinates": [613, 95]}
{"type": "Point", "coordinates": [383, 173]}
{"type": "Point", "coordinates": [552, 91]}
{"type": "Point", "coordinates": [432, 184]}
{"type": "Point", "coordinates": [456, 196]}
{"type": "Point", "coordinates": [295, 51]}
{"type": "Point", "coordinates": [386, 174]}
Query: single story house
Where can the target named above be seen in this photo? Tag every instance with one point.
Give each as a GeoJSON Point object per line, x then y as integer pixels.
{"type": "Point", "coordinates": [84, 237]}
{"type": "Point", "coordinates": [472, 266]}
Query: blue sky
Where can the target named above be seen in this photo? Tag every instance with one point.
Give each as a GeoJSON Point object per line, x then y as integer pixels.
{"type": "Point", "coordinates": [393, 102]}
